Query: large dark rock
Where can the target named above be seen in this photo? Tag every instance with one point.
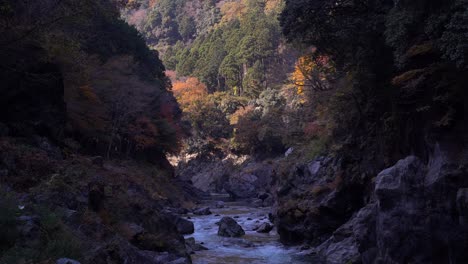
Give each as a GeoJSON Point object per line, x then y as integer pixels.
{"type": "Point", "coordinates": [265, 228]}
{"type": "Point", "coordinates": [185, 227]}
{"type": "Point", "coordinates": [228, 227]}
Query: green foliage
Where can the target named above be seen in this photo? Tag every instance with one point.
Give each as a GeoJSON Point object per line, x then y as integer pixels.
{"type": "Point", "coordinates": [254, 81]}
{"type": "Point", "coordinates": [270, 100]}
{"type": "Point", "coordinates": [235, 56]}
{"type": "Point", "coordinates": [187, 27]}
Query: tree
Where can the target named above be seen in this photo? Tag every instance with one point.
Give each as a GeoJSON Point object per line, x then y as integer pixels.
{"type": "Point", "coordinates": [315, 72]}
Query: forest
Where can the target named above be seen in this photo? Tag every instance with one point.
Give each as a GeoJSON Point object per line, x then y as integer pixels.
{"type": "Point", "coordinates": [233, 131]}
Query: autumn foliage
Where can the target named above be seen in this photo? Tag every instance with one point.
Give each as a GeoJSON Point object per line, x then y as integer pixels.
{"type": "Point", "coordinates": [315, 72]}
{"type": "Point", "coordinates": [189, 93]}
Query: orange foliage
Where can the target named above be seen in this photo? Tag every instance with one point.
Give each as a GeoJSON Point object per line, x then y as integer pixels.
{"type": "Point", "coordinates": [188, 93]}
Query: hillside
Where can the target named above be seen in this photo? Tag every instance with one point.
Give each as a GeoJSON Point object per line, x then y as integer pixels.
{"type": "Point", "coordinates": [87, 119]}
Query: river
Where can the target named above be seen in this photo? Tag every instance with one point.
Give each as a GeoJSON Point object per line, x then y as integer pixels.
{"type": "Point", "coordinates": [253, 248]}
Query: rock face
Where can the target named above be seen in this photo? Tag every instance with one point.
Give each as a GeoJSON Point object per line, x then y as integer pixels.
{"type": "Point", "coordinates": [402, 232]}
{"type": "Point", "coordinates": [315, 201]}
{"type": "Point", "coordinates": [238, 176]}
{"type": "Point", "coordinates": [228, 227]}
{"type": "Point", "coordinates": [416, 213]}
{"type": "Point", "coordinates": [206, 174]}
{"type": "Point", "coordinates": [253, 179]}
{"type": "Point", "coordinates": [419, 210]}
{"type": "Point", "coordinates": [353, 242]}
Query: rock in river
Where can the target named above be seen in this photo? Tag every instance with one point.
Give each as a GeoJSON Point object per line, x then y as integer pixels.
{"type": "Point", "coordinates": [185, 227]}
{"type": "Point", "coordinates": [228, 227]}
{"type": "Point", "coordinates": [264, 228]}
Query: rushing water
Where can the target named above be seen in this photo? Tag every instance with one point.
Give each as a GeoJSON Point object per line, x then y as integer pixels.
{"type": "Point", "coordinates": [255, 248]}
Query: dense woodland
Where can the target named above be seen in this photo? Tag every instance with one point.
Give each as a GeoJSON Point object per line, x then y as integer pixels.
{"type": "Point", "coordinates": [303, 102]}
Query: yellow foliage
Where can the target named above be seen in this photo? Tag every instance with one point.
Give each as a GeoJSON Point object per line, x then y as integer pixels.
{"type": "Point", "coordinates": [312, 71]}
{"type": "Point", "coordinates": [274, 6]}
{"type": "Point", "coordinates": [189, 92]}
{"type": "Point", "coordinates": [232, 10]}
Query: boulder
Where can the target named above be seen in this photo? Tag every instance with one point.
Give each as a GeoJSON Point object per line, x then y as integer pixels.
{"type": "Point", "coordinates": [184, 226]}
{"type": "Point", "coordinates": [202, 211]}
{"type": "Point", "coordinates": [265, 228]}
{"type": "Point", "coordinates": [192, 246]}
{"type": "Point", "coordinates": [228, 227]}
{"type": "Point", "coordinates": [220, 204]}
